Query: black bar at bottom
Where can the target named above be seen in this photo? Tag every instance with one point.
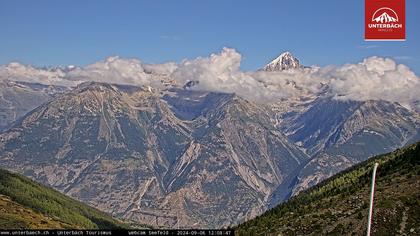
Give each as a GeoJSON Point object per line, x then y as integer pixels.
{"type": "Point", "coordinates": [154, 232]}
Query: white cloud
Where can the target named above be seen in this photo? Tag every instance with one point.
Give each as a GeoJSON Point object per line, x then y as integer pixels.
{"type": "Point", "coordinates": [161, 69]}
{"type": "Point", "coordinates": [123, 71]}
{"type": "Point", "coordinates": [18, 72]}
{"type": "Point", "coordinates": [375, 78]}
{"type": "Point", "coordinates": [221, 72]}
{"type": "Point", "coordinates": [112, 70]}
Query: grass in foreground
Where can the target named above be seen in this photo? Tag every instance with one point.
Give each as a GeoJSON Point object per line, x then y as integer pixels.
{"type": "Point", "coordinates": [25, 204]}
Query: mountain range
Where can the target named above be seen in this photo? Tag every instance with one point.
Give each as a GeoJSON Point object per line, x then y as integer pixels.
{"type": "Point", "coordinates": [174, 153]}
{"type": "Point", "coordinates": [122, 148]}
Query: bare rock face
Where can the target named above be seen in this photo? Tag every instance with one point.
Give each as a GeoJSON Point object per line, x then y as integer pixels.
{"type": "Point", "coordinates": [153, 157]}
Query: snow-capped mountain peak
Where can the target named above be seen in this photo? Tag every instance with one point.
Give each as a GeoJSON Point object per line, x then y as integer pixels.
{"type": "Point", "coordinates": [285, 61]}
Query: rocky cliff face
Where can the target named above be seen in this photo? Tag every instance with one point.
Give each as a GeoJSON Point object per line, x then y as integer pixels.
{"type": "Point", "coordinates": [127, 151]}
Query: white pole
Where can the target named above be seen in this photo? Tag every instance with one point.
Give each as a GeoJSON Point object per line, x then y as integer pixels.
{"type": "Point", "coordinates": [372, 191]}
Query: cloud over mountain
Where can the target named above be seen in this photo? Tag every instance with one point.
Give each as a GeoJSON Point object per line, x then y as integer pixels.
{"type": "Point", "coordinates": [374, 78]}
{"type": "Point", "coordinates": [220, 72]}
{"type": "Point", "coordinates": [121, 71]}
{"type": "Point", "coordinates": [18, 72]}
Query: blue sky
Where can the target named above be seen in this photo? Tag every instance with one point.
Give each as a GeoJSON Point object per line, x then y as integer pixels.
{"type": "Point", "coordinates": [82, 32]}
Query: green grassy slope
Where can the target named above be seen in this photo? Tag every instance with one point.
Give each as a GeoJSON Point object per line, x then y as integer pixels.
{"type": "Point", "coordinates": [25, 204]}
{"type": "Point", "coordinates": [339, 205]}
{"type": "Point", "coordinates": [16, 216]}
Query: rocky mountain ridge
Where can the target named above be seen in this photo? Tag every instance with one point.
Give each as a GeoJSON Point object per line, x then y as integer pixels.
{"type": "Point", "coordinates": [122, 149]}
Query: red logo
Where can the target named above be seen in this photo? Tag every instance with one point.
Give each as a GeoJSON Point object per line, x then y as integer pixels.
{"type": "Point", "coordinates": [384, 19]}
